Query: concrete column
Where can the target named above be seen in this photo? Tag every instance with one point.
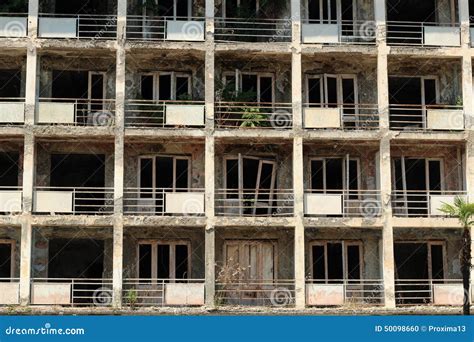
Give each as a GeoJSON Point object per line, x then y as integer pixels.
{"type": "Point", "coordinates": [380, 21]}
{"type": "Point", "coordinates": [467, 90]}
{"type": "Point", "coordinates": [209, 66]}
{"type": "Point", "coordinates": [119, 155]}
{"type": "Point", "coordinates": [210, 234]}
{"type": "Point", "coordinates": [464, 21]}
{"type": "Point", "coordinates": [296, 67]}
{"type": "Point", "coordinates": [388, 260]}
{"type": "Point", "coordinates": [382, 87]}
{"type": "Point", "coordinates": [31, 85]}
{"type": "Point", "coordinates": [298, 185]}
{"type": "Point", "coordinates": [33, 8]}
{"type": "Point", "coordinates": [469, 173]}
{"type": "Point", "coordinates": [25, 261]}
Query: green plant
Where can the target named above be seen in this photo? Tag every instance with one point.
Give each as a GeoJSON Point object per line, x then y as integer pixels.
{"type": "Point", "coordinates": [464, 212]}
{"type": "Point", "coordinates": [131, 298]}
{"type": "Point", "coordinates": [253, 118]}
{"type": "Point", "coordinates": [459, 101]}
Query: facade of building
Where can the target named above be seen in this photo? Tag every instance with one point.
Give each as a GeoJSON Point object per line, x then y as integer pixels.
{"type": "Point", "coordinates": [211, 153]}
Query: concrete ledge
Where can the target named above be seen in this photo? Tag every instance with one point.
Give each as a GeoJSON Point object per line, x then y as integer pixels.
{"type": "Point", "coordinates": [339, 48]}
{"type": "Point", "coordinates": [261, 47]}
{"type": "Point", "coordinates": [168, 221]}
{"type": "Point", "coordinates": [426, 52]}
{"type": "Point", "coordinates": [75, 44]}
{"type": "Point", "coordinates": [264, 222]}
{"type": "Point", "coordinates": [85, 221]}
{"type": "Point", "coordinates": [347, 222]}
{"type": "Point", "coordinates": [6, 131]}
{"type": "Point", "coordinates": [332, 134]}
{"type": "Point", "coordinates": [131, 45]}
{"type": "Point", "coordinates": [152, 133]}
{"type": "Point", "coordinates": [10, 220]}
{"type": "Point", "coordinates": [426, 222]}
{"type": "Point", "coordinates": [430, 136]}
{"type": "Point", "coordinates": [64, 131]}
{"type": "Point", "coordinates": [254, 133]}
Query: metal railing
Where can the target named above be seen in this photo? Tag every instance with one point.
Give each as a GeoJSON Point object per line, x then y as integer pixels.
{"type": "Point", "coordinates": [154, 28]}
{"type": "Point", "coordinates": [253, 30]}
{"type": "Point", "coordinates": [415, 117]}
{"type": "Point", "coordinates": [81, 292]}
{"type": "Point", "coordinates": [153, 201]}
{"type": "Point", "coordinates": [152, 114]}
{"type": "Point", "coordinates": [354, 291]}
{"type": "Point", "coordinates": [151, 292]}
{"type": "Point", "coordinates": [343, 203]}
{"type": "Point", "coordinates": [422, 291]}
{"type": "Point", "coordinates": [413, 33]}
{"type": "Point", "coordinates": [348, 31]}
{"type": "Point", "coordinates": [73, 200]}
{"type": "Point", "coordinates": [274, 292]}
{"type": "Point", "coordinates": [352, 116]}
{"type": "Point", "coordinates": [76, 112]}
{"type": "Point", "coordinates": [12, 200]}
{"type": "Point", "coordinates": [422, 203]}
{"type": "Point", "coordinates": [252, 203]}
{"type": "Point", "coordinates": [254, 115]}
{"type": "Point", "coordinates": [87, 26]}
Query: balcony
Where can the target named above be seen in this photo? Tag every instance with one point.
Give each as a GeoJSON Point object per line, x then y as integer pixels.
{"type": "Point", "coordinates": [426, 118]}
{"type": "Point", "coordinates": [162, 114]}
{"type": "Point", "coordinates": [156, 28]}
{"type": "Point", "coordinates": [425, 34]}
{"type": "Point", "coordinates": [11, 200]}
{"type": "Point", "coordinates": [12, 111]}
{"type": "Point", "coordinates": [163, 292]}
{"type": "Point", "coordinates": [446, 292]}
{"type": "Point", "coordinates": [344, 292]}
{"type": "Point", "coordinates": [75, 112]}
{"type": "Point", "coordinates": [13, 25]}
{"type": "Point", "coordinates": [71, 291]}
{"type": "Point", "coordinates": [254, 203]}
{"type": "Point", "coordinates": [420, 203]}
{"type": "Point", "coordinates": [338, 32]}
{"type": "Point", "coordinates": [241, 115]}
{"type": "Point", "coordinates": [256, 292]}
{"type": "Point", "coordinates": [78, 26]}
{"type": "Point", "coordinates": [252, 30]}
{"type": "Point", "coordinates": [73, 201]}
{"type": "Point", "coordinates": [9, 291]}
{"type": "Point", "coordinates": [343, 203]}
{"type": "Point", "coordinates": [164, 202]}
{"type": "Point", "coordinates": [341, 116]}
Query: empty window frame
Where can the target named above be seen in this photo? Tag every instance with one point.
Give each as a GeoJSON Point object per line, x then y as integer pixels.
{"type": "Point", "coordinates": [171, 9]}
{"type": "Point", "coordinates": [166, 86]}
{"type": "Point", "coordinates": [424, 174]}
{"type": "Point", "coordinates": [7, 259]}
{"type": "Point", "coordinates": [259, 86]}
{"type": "Point", "coordinates": [340, 12]}
{"type": "Point", "coordinates": [334, 261]}
{"type": "Point", "coordinates": [171, 173]}
{"type": "Point", "coordinates": [87, 84]}
{"type": "Point", "coordinates": [331, 90]}
{"type": "Point", "coordinates": [170, 260]}
{"type": "Point", "coordinates": [335, 175]}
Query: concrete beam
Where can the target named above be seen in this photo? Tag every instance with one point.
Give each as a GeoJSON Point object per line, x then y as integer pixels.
{"type": "Point", "coordinates": [467, 91]}
{"type": "Point", "coordinates": [465, 23]}
{"type": "Point", "coordinates": [33, 9]}
{"type": "Point", "coordinates": [382, 87]}
{"type": "Point", "coordinates": [299, 253]}
{"type": "Point", "coordinates": [25, 262]}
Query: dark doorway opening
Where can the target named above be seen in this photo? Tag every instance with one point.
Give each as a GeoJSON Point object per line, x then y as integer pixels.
{"type": "Point", "coordinates": [10, 84]}
{"type": "Point", "coordinates": [9, 169]}
{"type": "Point", "coordinates": [6, 261]}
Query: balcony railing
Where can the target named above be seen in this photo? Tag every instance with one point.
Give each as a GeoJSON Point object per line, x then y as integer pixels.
{"type": "Point", "coordinates": [13, 25]}
{"type": "Point", "coordinates": [161, 202]}
{"type": "Point", "coordinates": [274, 292]}
{"type": "Point", "coordinates": [251, 202]}
{"type": "Point", "coordinates": [341, 116]}
{"type": "Point", "coordinates": [419, 203]}
{"type": "Point", "coordinates": [11, 200]}
{"type": "Point", "coordinates": [12, 111]}
{"type": "Point", "coordinates": [426, 117]}
{"type": "Point", "coordinates": [152, 114]}
{"type": "Point", "coordinates": [253, 30]}
{"type": "Point", "coordinates": [429, 291]}
{"type": "Point", "coordinates": [82, 26]}
{"type": "Point", "coordinates": [76, 112]}
{"type": "Point", "coordinates": [423, 33]}
{"type": "Point", "coordinates": [163, 292]}
{"type": "Point", "coordinates": [149, 28]}
{"type": "Point", "coordinates": [344, 292]}
{"type": "Point", "coordinates": [71, 291]}
{"type": "Point", "coordinates": [73, 200]}
{"type": "Point", "coordinates": [338, 32]}
{"type": "Point", "coordinates": [343, 203]}
{"type": "Point", "coordinates": [254, 115]}
{"type": "Point", "coordinates": [10, 291]}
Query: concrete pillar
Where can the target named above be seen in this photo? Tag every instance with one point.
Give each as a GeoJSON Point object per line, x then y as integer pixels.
{"type": "Point", "coordinates": [31, 85]}
{"type": "Point", "coordinates": [467, 91]}
{"type": "Point", "coordinates": [210, 234]}
{"type": "Point", "coordinates": [380, 21]}
{"type": "Point", "coordinates": [33, 8]}
{"type": "Point", "coordinates": [298, 185]}
{"type": "Point", "coordinates": [25, 261]}
{"type": "Point", "coordinates": [382, 87]}
{"type": "Point", "coordinates": [388, 260]}
{"type": "Point", "coordinates": [117, 273]}
{"type": "Point", "coordinates": [209, 67]}
{"type": "Point", "coordinates": [469, 172]}
{"type": "Point", "coordinates": [464, 21]}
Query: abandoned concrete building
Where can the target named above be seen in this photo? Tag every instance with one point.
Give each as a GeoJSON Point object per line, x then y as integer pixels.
{"type": "Point", "coordinates": [205, 153]}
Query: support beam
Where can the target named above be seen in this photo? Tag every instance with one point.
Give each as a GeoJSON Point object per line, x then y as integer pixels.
{"type": "Point", "coordinates": [25, 261]}
{"type": "Point", "coordinates": [467, 91]}
{"type": "Point", "coordinates": [33, 9]}
{"type": "Point", "coordinates": [380, 21]}
{"type": "Point", "coordinates": [382, 88]}
{"type": "Point", "coordinates": [465, 23]}
{"type": "Point", "coordinates": [299, 255]}
{"type": "Point", "coordinates": [210, 234]}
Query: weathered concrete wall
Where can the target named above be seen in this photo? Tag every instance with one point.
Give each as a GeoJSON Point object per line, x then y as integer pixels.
{"type": "Point", "coordinates": [193, 235]}
{"type": "Point", "coordinates": [11, 233]}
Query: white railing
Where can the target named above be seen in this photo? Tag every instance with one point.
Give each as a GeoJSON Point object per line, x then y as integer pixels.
{"type": "Point", "coordinates": [273, 292]}
{"type": "Point", "coordinates": [76, 112]}
{"type": "Point", "coordinates": [162, 292]}
{"type": "Point", "coordinates": [343, 203]}
{"type": "Point", "coordinates": [11, 198]}
{"type": "Point", "coordinates": [254, 115]}
{"type": "Point", "coordinates": [341, 116]}
{"type": "Point", "coordinates": [73, 200]}
{"type": "Point", "coordinates": [152, 28]}
{"type": "Point", "coordinates": [12, 111]}
{"type": "Point", "coordinates": [87, 26]}
{"type": "Point", "coordinates": [151, 114]}
{"type": "Point", "coordinates": [426, 117]}
{"type": "Point", "coordinates": [338, 31]}
{"type": "Point", "coordinates": [251, 202]}
{"type": "Point", "coordinates": [253, 30]}
{"type": "Point", "coordinates": [423, 33]}
{"type": "Point", "coordinates": [13, 25]}
{"type": "Point", "coordinates": [71, 291]}
{"type": "Point", "coordinates": [422, 203]}
{"type": "Point", "coordinates": [344, 292]}
{"type": "Point", "coordinates": [161, 202]}
{"type": "Point", "coordinates": [429, 291]}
